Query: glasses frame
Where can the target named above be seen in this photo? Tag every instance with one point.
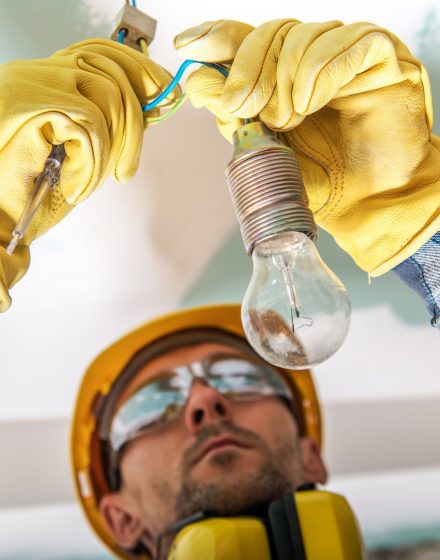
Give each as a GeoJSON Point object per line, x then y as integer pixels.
{"type": "Point", "coordinates": [267, 383]}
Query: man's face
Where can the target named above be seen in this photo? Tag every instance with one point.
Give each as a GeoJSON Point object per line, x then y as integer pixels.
{"type": "Point", "coordinates": [218, 455]}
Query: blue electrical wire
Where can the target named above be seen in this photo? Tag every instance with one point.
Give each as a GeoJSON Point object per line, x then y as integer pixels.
{"type": "Point", "coordinates": [121, 36]}
{"type": "Point", "coordinates": [176, 80]}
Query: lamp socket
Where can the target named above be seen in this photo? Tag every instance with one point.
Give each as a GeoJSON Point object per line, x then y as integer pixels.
{"type": "Point", "coordinates": [137, 26]}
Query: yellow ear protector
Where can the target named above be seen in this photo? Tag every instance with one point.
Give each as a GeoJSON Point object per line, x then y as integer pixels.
{"type": "Point", "coordinates": [306, 525]}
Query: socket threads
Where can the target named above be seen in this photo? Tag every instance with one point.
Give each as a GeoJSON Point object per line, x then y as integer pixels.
{"type": "Point", "coordinates": [266, 187]}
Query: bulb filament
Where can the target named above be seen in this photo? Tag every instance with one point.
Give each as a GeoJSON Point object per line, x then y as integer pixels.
{"type": "Point", "coordinates": [297, 321]}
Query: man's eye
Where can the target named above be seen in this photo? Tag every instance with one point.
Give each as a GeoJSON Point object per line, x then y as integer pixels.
{"type": "Point", "coordinates": [246, 394]}
{"type": "Point", "coordinates": [168, 382]}
{"type": "Point", "coordinates": [170, 411]}
{"type": "Point", "coordinates": [240, 380]}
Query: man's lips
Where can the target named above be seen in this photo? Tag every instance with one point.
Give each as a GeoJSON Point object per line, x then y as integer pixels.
{"type": "Point", "coordinates": [218, 442]}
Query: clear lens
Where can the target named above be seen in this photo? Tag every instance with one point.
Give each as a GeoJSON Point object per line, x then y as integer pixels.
{"type": "Point", "coordinates": [245, 379]}
{"type": "Point", "coordinates": [152, 405]}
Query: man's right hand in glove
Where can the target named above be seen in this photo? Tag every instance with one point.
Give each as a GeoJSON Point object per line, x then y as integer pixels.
{"type": "Point", "coordinates": [87, 97]}
{"type": "Point", "coordinates": [353, 104]}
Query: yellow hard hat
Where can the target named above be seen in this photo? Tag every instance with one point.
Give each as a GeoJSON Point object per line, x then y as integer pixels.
{"type": "Point", "coordinates": [90, 478]}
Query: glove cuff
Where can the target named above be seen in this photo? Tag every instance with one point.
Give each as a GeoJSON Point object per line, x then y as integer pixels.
{"type": "Point", "coordinates": [12, 268]}
{"type": "Point", "coordinates": [5, 298]}
{"type": "Point", "coordinates": [411, 247]}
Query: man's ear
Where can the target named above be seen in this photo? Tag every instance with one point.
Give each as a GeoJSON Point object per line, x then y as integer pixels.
{"type": "Point", "coordinates": [313, 466]}
{"type": "Point", "coordinates": [126, 528]}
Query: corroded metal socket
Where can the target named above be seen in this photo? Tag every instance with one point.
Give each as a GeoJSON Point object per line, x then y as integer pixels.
{"type": "Point", "coordinates": [266, 187]}
{"type": "Point", "coordinates": [137, 26]}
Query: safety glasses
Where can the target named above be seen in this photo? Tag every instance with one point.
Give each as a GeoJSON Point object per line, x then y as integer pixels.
{"type": "Point", "coordinates": [161, 399]}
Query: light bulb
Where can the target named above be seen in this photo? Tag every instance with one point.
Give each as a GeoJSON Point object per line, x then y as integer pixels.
{"type": "Point", "coordinates": [295, 312]}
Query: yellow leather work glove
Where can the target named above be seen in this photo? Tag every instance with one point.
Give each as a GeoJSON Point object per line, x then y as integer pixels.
{"type": "Point", "coordinates": [353, 104]}
{"type": "Point", "coordinates": [88, 97]}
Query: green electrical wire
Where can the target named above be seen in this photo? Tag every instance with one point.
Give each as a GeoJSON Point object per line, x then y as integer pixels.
{"type": "Point", "coordinates": [165, 116]}
{"type": "Point", "coordinates": [153, 120]}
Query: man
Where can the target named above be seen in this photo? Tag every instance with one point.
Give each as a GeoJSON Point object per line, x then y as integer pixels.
{"type": "Point", "coordinates": [355, 106]}
{"type": "Point", "coordinates": [181, 416]}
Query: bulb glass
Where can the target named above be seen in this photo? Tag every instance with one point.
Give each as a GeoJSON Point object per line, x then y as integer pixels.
{"type": "Point", "coordinates": [295, 312]}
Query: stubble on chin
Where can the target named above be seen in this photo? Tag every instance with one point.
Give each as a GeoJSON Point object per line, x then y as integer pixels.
{"type": "Point", "coordinates": [236, 490]}
{"type": "Point", "coordinates": [225, 460]}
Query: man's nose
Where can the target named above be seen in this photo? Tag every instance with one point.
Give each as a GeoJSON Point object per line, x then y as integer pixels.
{"type": "Point", "coordinates": [205, 406]}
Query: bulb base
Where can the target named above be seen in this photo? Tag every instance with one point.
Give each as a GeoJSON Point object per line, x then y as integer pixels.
{"type": "Point", "coordinates": [266, 187]}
